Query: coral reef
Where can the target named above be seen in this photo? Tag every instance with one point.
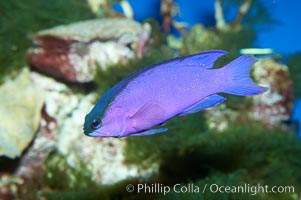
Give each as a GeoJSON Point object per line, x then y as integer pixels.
{"type": "Point", "coordinates": [73, 52]}
{"type": "Point", "coordinates": [103, 158]}
{"type": "Point", "coordinates": [243, 141]}
{"type": "Point", "coordinates": [20, 109]}
{"type": "Point", "coordinates": [235, 25]}
{"type": "Point", "coordinates": [60, 139]}
{"type": "Point", "coordinates": [274, 107]}
{"type": "Point", "coordinates": [19, 20]}
{"type": "Point", "coordinates": [61, 132]}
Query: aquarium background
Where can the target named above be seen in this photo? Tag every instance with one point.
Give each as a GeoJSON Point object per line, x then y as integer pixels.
{"type": "Point", "coordinates": [53, 71]}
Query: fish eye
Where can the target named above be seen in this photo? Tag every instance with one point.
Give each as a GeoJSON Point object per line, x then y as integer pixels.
{"type": "Point", "coordinates": [96, 124]}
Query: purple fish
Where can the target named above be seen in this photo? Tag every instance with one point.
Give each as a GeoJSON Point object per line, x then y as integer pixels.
{"type": "Point", "coordinates": [155, 94]}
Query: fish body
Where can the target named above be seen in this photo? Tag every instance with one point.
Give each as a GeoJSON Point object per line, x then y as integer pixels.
{"type": "Point", "coordinates": [181, 86]}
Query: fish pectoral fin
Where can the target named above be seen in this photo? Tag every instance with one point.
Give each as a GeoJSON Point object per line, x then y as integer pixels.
{"type": "Point", "coordinates": [150, 114]}
{"type": "Point", "coordinates": [208, 102]}
{"type": "Point", "coordinates": [150, 132]}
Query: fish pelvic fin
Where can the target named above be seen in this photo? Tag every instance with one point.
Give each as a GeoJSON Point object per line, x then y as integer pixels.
{"type": "Point", "coordinates": [150, 132]}
{"type": "Point", "coordinates": [239, 81]}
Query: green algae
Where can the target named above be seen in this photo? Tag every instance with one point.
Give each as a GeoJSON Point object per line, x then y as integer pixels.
{"type": "Point", "coordinates": [60, 175]}
{"type": "Point", "coordinates": [148, 150]}
{"type": "Point", "coordinates": [19, 20]}
{"type": "Point", "coordinates": [63, 182]}
{"type": "Point", "coordinates": [219, 150]}
{"type": "Point", "coordinates": [233, 180]}
{"type": "Point", "coordinates": [201, 39]}
{"type": "Point", "coordinates": [189, 151]}
{"type": "Point", "coordinates": [209, 157]}
{"type": "Point", "coordinates": [241, 155]}
{"type": "Point", "coordinates": [295, 72]}
{"type": "Point", "coordinates": [70, 183]}
{"type": "Point", "coordinates": [251, 147]}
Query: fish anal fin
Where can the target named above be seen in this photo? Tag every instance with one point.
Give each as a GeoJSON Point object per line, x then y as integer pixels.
{"type": "Point", "coordinates": [149, 115]}
{"type": "Point", "coordinates": [150, 132]}
{"type": "Point", "coordinates": [208, 102]}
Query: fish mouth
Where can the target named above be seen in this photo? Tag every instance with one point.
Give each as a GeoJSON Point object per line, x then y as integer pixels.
{"type": "Point", "coordinates": [95, 134]}
{"type": "Point", "coordinates": [103, 134]}
{"type": "Point", "coordinates": [92, 134]}
{"type": "Point", "coordinates": [98, 134]}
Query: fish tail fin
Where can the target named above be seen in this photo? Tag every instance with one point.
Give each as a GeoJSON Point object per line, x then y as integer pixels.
{"type": "Point", "coordinates": [239, 81]}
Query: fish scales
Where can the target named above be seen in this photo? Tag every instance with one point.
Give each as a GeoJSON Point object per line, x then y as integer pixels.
{"type": "Point", "coordinates": [175, 87]}
{"type": "Point", "coordinates": [155, 94]}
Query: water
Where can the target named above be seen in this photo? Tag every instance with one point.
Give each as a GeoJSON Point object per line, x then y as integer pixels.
{"type": "Point", "coordinates": [56, 64]}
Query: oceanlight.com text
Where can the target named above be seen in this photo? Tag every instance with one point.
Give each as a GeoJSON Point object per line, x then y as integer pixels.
{"type": "Point", "coordinates": [158, 188]}
{"type": "Point", "coordinates": [251, 189]}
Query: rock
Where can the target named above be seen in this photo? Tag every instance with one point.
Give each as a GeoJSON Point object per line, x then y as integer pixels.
{"type": "Point", "coordinates": [73, 52]}
{"type": "Point", "coordinates": [103, 158]}
{"type": "Point", "coordinates": [20, 108]}
{"type": "Point", "coordinates": [274, 106]}
{"type": "Point", "coordinates": [32, 162]}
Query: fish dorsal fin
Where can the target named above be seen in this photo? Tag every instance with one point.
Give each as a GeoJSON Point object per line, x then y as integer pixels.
{"type": "Point", "coordinates": [150, 114]}
{"type": "Point", "coordinates": [205, 103]}
{"type": "Point", "coordinates": [205, 59]}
